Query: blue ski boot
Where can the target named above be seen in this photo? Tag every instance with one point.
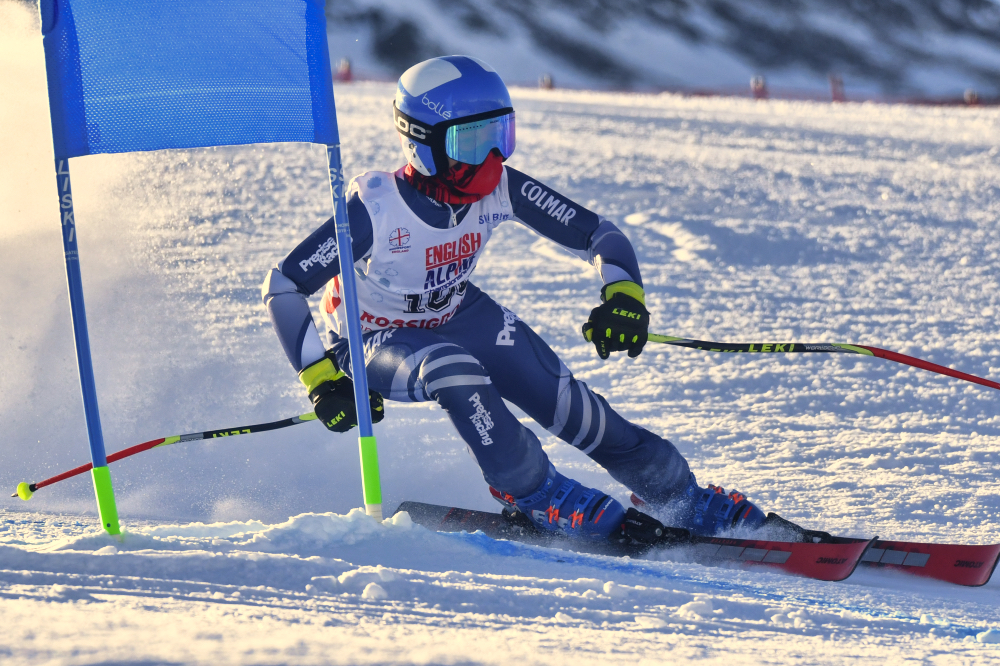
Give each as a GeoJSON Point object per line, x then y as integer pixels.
{"type": "Point", "coordinates": [708, 511]}
{"type": "Point", "coordinates": [563, 505]}
{"type": "Point", "coordinates": [714, 511]}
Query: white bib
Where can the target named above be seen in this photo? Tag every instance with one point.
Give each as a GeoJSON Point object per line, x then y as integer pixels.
{"type": "Point", "coordinates": [415, 275]}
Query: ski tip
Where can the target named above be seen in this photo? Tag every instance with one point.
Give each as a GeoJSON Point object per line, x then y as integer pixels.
{"type": "Point", "coordinates": [868, 546]}
{"type": "Point", "coordinates": [961, 564]}
{"type": "Point", "coordinates": [844, 560]}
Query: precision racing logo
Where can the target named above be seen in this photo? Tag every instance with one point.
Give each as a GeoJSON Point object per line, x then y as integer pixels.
{"type": "Point", "coordinates": [324, 255]}
{"type": "Point", "coordinates": [481, 419]}
{"type": "Point", "coordinates": [503, 337]}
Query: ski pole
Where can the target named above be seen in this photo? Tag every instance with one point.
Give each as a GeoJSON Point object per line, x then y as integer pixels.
{"type": "Point", "coordinates": [25, 490]}
{"type": "Point", "coordinates": [823, 347]}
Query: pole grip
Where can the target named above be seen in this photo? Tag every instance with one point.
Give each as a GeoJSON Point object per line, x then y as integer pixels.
{"type": "Point", "coordinates": [370, 477]}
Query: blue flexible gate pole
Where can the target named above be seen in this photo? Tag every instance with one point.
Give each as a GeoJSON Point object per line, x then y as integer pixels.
{"type": "Point", "coordinates": [101, 476]}
{"type": "Point", "coordinates": [370, 477]}
{"type": "Point", "coordinates": [222, 76]}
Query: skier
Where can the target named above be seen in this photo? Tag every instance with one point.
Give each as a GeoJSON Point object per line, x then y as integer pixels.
{"type": "Point", "coordinates": [430, 334]}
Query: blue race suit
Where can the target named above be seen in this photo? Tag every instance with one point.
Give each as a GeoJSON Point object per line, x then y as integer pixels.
{"type": "Point", "coordinates": [485, 353]}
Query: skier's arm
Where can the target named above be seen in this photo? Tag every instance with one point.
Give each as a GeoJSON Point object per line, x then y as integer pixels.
{"type": "Point", "coordinates": [305, 270]}
{"type": "Point", "coordinates": [621, 321]}
{"type": "Point", "coordinates": [581, 231]}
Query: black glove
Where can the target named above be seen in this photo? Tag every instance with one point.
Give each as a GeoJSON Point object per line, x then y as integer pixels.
{"type": "Point", "coordinates": [332, 396]}
{"type": "Point", "coordinates": [621, 322]}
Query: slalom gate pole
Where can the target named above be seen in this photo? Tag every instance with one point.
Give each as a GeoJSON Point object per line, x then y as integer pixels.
{"type": "Point", "coordinates": [100, 475]}
{"type": "Point", "coordinates": [26, 490]}
{"type": "Point", "coordinates": [370, 478]}
{"type": "Point", "coordinates": [105, 98]}
{"type": "Point", "coordinates": [823, 348]}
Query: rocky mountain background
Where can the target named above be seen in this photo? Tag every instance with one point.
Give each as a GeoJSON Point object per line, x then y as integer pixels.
{"type": "Point", "coordinates": [880, 48]}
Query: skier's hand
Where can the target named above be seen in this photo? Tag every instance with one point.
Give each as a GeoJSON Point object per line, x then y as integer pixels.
{"type": "Point", "coordinates": [332, 396]}
{"type": "Point", "coordinates": [621, 322]}
{"type": "Point", "coordinates": [334, 405]}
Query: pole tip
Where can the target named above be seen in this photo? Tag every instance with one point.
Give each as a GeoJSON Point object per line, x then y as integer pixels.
{"type": "Point", "coordinates": [23, 491]}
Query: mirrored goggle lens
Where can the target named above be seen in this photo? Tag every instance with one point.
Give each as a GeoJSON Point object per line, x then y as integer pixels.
{"type": "Point", "coordinates": [472, 142]}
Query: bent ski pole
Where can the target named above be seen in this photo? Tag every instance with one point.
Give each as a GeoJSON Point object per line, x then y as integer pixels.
{"type": "Point", "coordinates": [822, 347]}
{"type": "Point", "coordinates": [25, 490]}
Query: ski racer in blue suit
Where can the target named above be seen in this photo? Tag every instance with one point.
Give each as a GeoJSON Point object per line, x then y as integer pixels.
{"type": "Point", "coordinates": [431, 334]}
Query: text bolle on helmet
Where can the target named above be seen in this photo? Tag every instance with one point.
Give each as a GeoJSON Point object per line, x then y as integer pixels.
{"type": "Point", "coordinates": [452, 106]}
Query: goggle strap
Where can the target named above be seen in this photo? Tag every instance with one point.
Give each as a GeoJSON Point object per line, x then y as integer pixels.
{"type": "Point", "coordinates": [412, 128]}
{"type": "Point", "coordinates": [419, 132]}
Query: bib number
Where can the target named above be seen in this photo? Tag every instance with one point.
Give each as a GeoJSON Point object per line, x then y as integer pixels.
{"type": "Point", "coordinates": [435, 300]}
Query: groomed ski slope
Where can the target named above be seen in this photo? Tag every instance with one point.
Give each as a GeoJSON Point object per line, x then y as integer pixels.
{"type": "Point", "coordinates": [767, 221]}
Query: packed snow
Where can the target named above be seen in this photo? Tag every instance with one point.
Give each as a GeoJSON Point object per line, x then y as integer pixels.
{"type": "Point", "coordinates": [770, 221]}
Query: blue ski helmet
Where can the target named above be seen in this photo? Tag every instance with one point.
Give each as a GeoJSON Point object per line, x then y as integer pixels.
{"type": "Point", "coordinates": [452, 106]}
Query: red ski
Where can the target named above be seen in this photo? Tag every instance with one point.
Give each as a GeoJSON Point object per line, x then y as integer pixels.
{"type": "Point", "coordinates": [831, 561]}
{"type": "Point", "coordinates": [953, 563]}
{"type": "Point", "coordinates": [960, 564]}
{"type": "Point", "coordinates": [822, 561]}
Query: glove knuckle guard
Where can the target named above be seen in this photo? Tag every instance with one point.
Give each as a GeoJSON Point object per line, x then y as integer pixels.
{"type": "Point", "coordinates": [621, 321]}
{"type": "Point", "coordinates": [332, 395]}
{"type": "Point", "coordinates": [333, 402]}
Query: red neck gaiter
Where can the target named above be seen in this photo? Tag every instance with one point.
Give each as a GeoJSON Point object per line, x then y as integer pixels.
{"type": "Point", "coordinates": [462, 184]}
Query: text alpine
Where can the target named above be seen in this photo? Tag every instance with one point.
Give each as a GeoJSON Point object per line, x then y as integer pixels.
{"type": "Point", "coordinates": [448, 261]}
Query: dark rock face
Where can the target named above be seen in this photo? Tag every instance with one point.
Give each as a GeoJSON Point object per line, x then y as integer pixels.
{"type": "Point", "coordinates": [882, 42]}
{"type": "Point", "coordinates": [771, 32]}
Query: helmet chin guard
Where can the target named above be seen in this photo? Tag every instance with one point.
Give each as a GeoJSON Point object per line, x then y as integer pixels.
{"type": "Point", "coordinates": [452, 106]}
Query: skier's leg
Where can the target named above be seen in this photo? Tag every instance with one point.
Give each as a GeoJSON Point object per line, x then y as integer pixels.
{"type": "Point", "coordinates": [417, 365]}
{"type": "Point", "coordinates": [528, 373]}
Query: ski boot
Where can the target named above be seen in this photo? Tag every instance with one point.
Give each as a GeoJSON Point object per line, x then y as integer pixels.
{"type": "Point", "coordinates": [702, 508]}
{"type": "Point", "coordinates": [715, 511]}
{"type": "Point", "coordinates": [563, 505]}
{"type": "Point", "coordinates": [709, 511]}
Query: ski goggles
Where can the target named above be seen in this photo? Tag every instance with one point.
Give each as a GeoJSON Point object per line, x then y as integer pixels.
{"type": "Point", "coordinates": [468, 140]}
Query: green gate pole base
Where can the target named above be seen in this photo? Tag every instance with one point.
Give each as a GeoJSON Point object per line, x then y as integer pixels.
{"type": "Point", "coordinates": [106, 500]}
{"type": "Point", "coordinates": [371, 483]}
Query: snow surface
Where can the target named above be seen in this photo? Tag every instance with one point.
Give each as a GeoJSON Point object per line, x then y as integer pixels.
{"type": "Point", "coordinates": [770, 221]}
